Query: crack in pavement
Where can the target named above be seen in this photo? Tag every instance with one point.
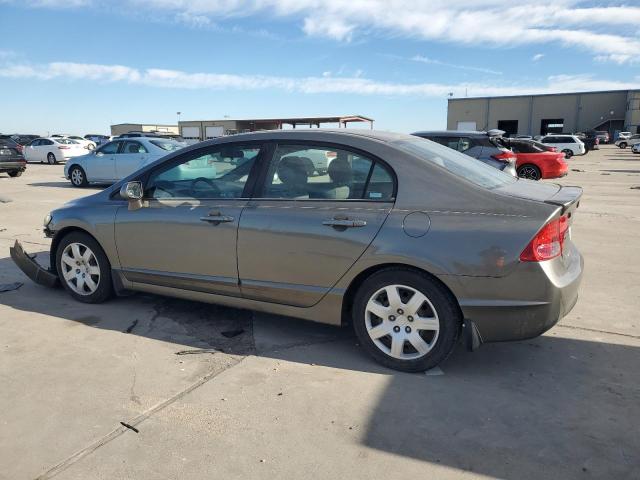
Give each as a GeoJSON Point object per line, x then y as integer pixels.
{"type": "Point", "coordinates": [80, 454]}
{"type": "Point", "coordinates": [575, 327]}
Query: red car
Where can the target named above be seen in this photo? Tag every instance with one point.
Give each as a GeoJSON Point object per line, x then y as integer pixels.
{"type": "Point", "coordinates": [535, 161]}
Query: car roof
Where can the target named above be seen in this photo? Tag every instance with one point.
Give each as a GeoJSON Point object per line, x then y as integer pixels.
{"type": "Point", "coordinates": [451, 133]}
{"type": "Point", "coordinates": [321, 134]}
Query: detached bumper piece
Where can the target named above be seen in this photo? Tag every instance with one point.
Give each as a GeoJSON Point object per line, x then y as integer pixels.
{"type": "Point", "coordinates": [31, 268]}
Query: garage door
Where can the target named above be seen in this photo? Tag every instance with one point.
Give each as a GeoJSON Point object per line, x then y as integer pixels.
{"type": "Point", "coordinates": [191, 134]}
{"type": "Point", "coordinates": [214, 132]}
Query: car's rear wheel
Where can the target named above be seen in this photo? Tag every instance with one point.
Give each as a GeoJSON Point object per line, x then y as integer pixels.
{"type": "Point", "coordinates": [83, 268]}
{"type": "Point", "coordinates": [78, 177]}
{"type": "Point", "coordinates": [623, 145]}
{"type": "Point", "coordinates": [530, 172]}
{"type": "Point", "coordinates": [15, 173]}
{"type": "Point", "coordinates": [405, 319]}
{"type": "Point", "coordinates": [51, 158]}
{"type": "Point", "coordinates": [567, 153]}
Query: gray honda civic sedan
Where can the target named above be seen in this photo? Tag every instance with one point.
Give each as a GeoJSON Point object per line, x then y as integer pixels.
{"type": "Point", "coordinates": [411, 243]}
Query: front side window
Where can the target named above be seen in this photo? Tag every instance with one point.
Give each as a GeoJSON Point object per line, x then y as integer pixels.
{"type": "Point", "coordinates": [134, 147]}
{"type": "Point", "coordinates": [301, 172]}
{"type": "Point", "coordinates": [110, 148]}
{"type": "Point", "coordinates": [221, 172]}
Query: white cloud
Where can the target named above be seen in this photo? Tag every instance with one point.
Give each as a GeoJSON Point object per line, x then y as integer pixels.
{"type": "Point", "coordinates": [537, 57]}
{"type": "Point", "coordinates": [352, 85]}
{"type": "Point", "coordinates": [607, 32]}
{"type": "Point", "coordinates": [431, 61]}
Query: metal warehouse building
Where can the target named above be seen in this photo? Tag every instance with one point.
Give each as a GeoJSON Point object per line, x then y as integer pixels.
{"type": "Point", "coordinates": [613, 111]}
{"type": "Point", "coordinates": [198, 130]}
{"type": "Point", "coordinates": [121, 128]}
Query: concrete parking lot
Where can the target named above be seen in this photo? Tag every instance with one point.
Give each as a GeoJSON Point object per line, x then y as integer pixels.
{"type": "Point", "coordinates": [288, 399]}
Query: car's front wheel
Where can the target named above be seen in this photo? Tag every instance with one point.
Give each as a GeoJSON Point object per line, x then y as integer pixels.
{"type": "Point", "coordinates": [78, 177]}
{"type": "Point", "coordinates": [530, 172]}
{"type": "Point", "coordinates": [623, 145]}
{"type": "Point", "coordinates": [567, 153]}
{"type": "Point", "coordinates": [51, 158]}
{"type": "Point", "coordinates": [405, 319]}
{"type": "Point", "coordinates": [83, 268]}
{"type": "Point", "coordinates": [15, 173]}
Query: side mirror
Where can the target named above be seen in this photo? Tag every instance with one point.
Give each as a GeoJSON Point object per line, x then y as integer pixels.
{"type": "Point", "coordinates": [132, 191]}
{"type": "Point", "coordinates": [99, 154]}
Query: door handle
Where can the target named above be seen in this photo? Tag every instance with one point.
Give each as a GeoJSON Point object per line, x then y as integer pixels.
{"type": "Point", "coordinates": [217, 219]}
{"type": "Point", "coordinates": [344, 223]}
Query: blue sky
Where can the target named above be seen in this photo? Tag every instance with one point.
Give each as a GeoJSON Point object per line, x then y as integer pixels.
{"type": "Point", "coordinates": [77, 66]}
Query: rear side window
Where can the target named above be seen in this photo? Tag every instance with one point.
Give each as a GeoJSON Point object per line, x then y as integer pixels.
{"type": "Point", "coordinates": [167, 145]}
{"type": "Point", "coordinates": [134, 147]}
{"type": "Point", "coordinates": [303, 172]}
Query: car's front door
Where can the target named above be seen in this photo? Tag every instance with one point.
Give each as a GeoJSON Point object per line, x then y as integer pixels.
{"type": "Point", "coordinates": [132, 156]}
{"type": "Point", "coordinates": [300, 234]}
{"type": "Point", "coordinates": [102, 166]}
{"type": "Point", "coordinates": [32, 152]}
{"type": "Point", "coordinates": [185, 234]}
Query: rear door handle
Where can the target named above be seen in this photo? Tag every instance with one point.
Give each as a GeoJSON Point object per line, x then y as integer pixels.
{"type": "Point", "coordinates": [344, 223]}
{"type": "Point", "coordinates": [217, 219]}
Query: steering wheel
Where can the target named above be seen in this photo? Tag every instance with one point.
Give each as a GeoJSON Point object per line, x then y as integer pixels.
{"type": "Point", "coordinates": [164, 187]}
{"type": "Point", "coordinates": [195, 181]}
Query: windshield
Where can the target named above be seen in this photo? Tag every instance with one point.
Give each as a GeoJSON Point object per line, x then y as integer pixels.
{"type": "Point", "coordinates": [455, 162]}
{"type": "Point", "coordinates": [168, 145]}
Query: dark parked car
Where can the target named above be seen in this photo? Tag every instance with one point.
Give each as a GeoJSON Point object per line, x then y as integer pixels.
{"type": "Point", "coordinates": [590, 140]}
{"type": "Point", "coordinates": [428, 245]}
{"type": "Point", "coordinates": [483, 146]}
{"type": "Point", "coordinates": [11, 160]}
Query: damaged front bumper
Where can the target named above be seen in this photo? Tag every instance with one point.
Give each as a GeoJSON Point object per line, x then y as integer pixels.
{"type": "Point", "coordinates": [31, 268]}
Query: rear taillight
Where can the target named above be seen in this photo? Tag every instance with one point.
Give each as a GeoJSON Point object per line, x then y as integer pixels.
{"type": "Point", "coordinates": [505, 157]}
{"type": "Point", "coordinates": [548, 242]}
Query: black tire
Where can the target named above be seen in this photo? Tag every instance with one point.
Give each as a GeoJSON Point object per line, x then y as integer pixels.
{"type": "Point", "coordinates": [445, 305]}
{"type": "Point", "coordinates": [529, 171]}
{"type": "Point", "coordinates": [104, 288]}
{"type": "Point", "coordinates": [567, 153]}
{"type": "Point", "coordinates": [623, 145]}
{"type": "Point", "coordinates": [51, 159]}
{"type": "Point", "coordinates": [78, 177]}
{"type": "Point", "coordinates": [15, 173]}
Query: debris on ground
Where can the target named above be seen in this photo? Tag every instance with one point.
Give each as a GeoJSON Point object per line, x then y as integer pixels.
{"type": "Point", "coordinates": [131, 327]}
{"type": "Point", "coordinates": [605, 174]}
{"type": "Point", "coordinates": [7, 287]}
{"type": "Point", "coordinates": [130, 427]}
{"type": "Point", "coordinates": [233, 333]}
{"type": "Point", "coordinates": [434, 372]}
{"type": "Point", "coordinates": [576, 170]}
{"type": "Point", "coordinates": [5, 199]}
{"type": "Point", "coordinates": [635, 187]}
{"type": "Point", "coordinates": [197, 351]}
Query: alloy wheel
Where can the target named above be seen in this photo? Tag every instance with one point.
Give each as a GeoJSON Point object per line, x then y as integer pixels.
{"type": "Point", "coordinates": [402, 322]}
{"type": "Point", "coordinates": [80, 269]}
{"type": "Point", "coordinates": [528, 172]}
{"type": "Point", "coordinates": [76, 177]}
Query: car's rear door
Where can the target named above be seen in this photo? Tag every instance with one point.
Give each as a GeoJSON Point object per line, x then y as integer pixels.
{"type": "Point", "coordinates": [31, 152]}
{"type": "Point", "coordinates": [300, 234]}
{"type": "Point", "coordinates": [184, 237]}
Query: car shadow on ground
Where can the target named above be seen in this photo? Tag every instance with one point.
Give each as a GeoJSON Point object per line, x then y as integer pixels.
{"type": "Point", "coordinates": [65, 184]}
{"type": "Point", "coordinates": [551, 407]}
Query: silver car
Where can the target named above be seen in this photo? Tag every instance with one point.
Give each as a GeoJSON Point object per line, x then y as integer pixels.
{"type": "Point", "coordinates": [411, 243]}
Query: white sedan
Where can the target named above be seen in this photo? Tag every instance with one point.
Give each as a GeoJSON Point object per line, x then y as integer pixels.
{"type": "Point", "coordinates": [117, 159]}
{"type": "Point", "coordinates": [88, 144]}
{"type": "Point", "coordinates": [52, 150]}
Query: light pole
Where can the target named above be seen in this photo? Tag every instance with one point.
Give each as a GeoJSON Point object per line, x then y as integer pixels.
{"type": "Point", "coordinates": [178, 114]}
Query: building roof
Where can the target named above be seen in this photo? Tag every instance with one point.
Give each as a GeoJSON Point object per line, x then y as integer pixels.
{"type": "Point", "coordinates": [539, 95]}
{"type": "Point", "coordinates": [294, 120]}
